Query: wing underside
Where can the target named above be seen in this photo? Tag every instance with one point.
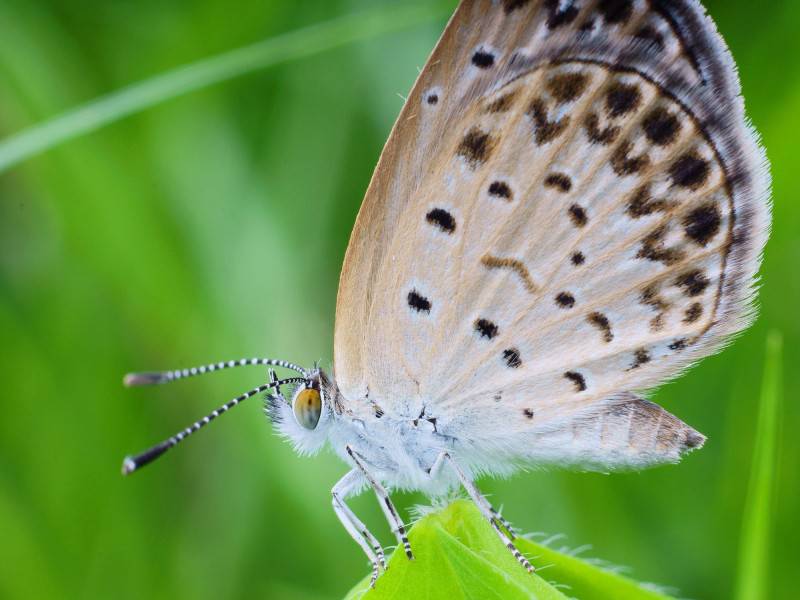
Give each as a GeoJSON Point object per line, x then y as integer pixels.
{"type": "Point", "coordinates": [570, 207]}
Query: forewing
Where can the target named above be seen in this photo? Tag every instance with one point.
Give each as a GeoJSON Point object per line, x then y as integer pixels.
{"type": "Point", "coordinates": [570, 206]}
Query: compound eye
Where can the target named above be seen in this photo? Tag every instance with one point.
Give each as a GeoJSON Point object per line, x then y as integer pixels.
{"type": "Point", "coordinates": [308, 407]}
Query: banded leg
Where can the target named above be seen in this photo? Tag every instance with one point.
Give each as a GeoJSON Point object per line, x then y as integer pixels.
{"type": "Point", "coordinates": [273, 377]}
{"type": "Point", "coordinates": [345, 487]}
{"type": "Point", "coordinates": [398, 529]}
{"type": "Point", "coordinates": [489, 513]}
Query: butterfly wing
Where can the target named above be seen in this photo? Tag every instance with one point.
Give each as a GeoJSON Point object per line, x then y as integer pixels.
{"type": "Point", "coordinates": [571, 207]}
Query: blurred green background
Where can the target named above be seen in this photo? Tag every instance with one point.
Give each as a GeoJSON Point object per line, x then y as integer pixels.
{"type": "Point", "coordinates": [213, 226]}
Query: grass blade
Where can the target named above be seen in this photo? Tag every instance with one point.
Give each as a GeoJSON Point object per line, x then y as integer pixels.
{"type": "Point", "coordinates": [753, 571]}
{"type": "Point", "coordinates": [203, 73]}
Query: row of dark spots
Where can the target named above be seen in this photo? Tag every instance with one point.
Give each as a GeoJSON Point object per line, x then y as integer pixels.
{"type": "Point", "coordinates": [489, 330]}
{"type": "Point", "coordinates": [621, 99]}
{"type": "Point", "coordinates": [614, 12]}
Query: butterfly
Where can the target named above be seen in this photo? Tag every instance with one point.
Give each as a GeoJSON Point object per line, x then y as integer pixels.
{"type": "Point", "coordinates": [569, 211]}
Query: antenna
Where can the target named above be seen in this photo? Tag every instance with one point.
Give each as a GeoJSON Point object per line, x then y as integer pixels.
{"type": "Point", "coordinates": [133, 463]}
{"type": "Point", "coordinates": [157, 377]}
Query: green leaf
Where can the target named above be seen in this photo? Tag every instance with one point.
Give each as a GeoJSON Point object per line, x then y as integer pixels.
{"type": "Point", "coordinates": [203, 73]}
{"type": "Point", "coordinates": [753, 572]}
{"type": "Point", "coordinates": [458, 555]}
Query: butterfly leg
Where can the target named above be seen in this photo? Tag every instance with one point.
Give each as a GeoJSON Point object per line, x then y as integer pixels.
{"type": "Point", "coordinates": [398, 529]}
{"type": "Point", "coordinates": [273, 377]}
{"type": "Point", "coordinates": [489, 513]}
{"type": "Point", "coordinates": [345, 487]}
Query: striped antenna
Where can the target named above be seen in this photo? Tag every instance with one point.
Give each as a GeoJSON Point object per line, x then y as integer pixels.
{"type": "Point", "coordinates": [133, 463]}
{"type": "Point", "coordinates": [154, 377]}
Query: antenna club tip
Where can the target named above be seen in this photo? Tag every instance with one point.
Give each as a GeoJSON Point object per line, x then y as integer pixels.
{"type": "Point", "coordinates": [128, 466]}
{"type": "Point", "coordinates": [137, 379]}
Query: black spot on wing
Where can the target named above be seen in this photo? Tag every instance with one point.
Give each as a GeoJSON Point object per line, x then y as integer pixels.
{"type": "Point", "coordinates": [501, 104]}
{"type": "Point", "coordinates": [512, 358]}
{"type": "Point", "coordinates": [441, 219]}
{"type": "Point", "coordinates": [418, 302]}
{"type": "Point", "coordinates": [690, 171]}
{"type": "Point", "coordinates": [661, 127]}
{"type": "Point", "coordinates": [486, 328]}
{"type": "Point", "coordinates": [640, 357]}
{"type": "Point", "coordinates": [565, 300]}
{"type": "Point", "coordinates": [615, 11]}
{"type": "Point", "coordinates": [692, 282]}
{"type": "Point", "coordinates": [577, 215]}
{"type": "Point", "coordinates": [528, 413]}
{"type": "Point", "coordinates": [693, 313]}
{"type": "Point", "coordinates": [476, 147]}
{"type": "Point", "coordinates": [577, 379]}
{"type": "Point", "coordinates": [703, 223]}
{"type": "Point", "coordinates": [679, 344]}
{"type": "Point", "coordinates": [622, 99]}
{"type": "Point", "coordinates": [577, 258]}
{"type": "Point", "coordinates": [567, 87]}
{"type": "Point", "coordinates": [653, 248]}
{"type": "Point", "coordinates": [650, 34]}
{"type": "Point", "coordinates": [558, 17]}
{"type": "Point", "coordinates": [545, 130]}
{"type": "Point", "coordinates": [483, 59]}
{"type": "Point", "coordinates": [559, 181]}
{"type": "Point", "coordinates": [500, 189]}
{"type": "Point", "coordinates": [603, 136]}
{"type": "Point", "coordinates": [510, 6]}
{"type": "Point", "coordinates": [624, 164]}
{"type": "Point", "coordinates": [642, 204]}
{"type": "Point", "coordinates": [600, 321]}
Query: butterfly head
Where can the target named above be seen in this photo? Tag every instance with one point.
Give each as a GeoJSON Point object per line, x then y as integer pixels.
{"type": "Point", "coordinates": [304, 420]}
